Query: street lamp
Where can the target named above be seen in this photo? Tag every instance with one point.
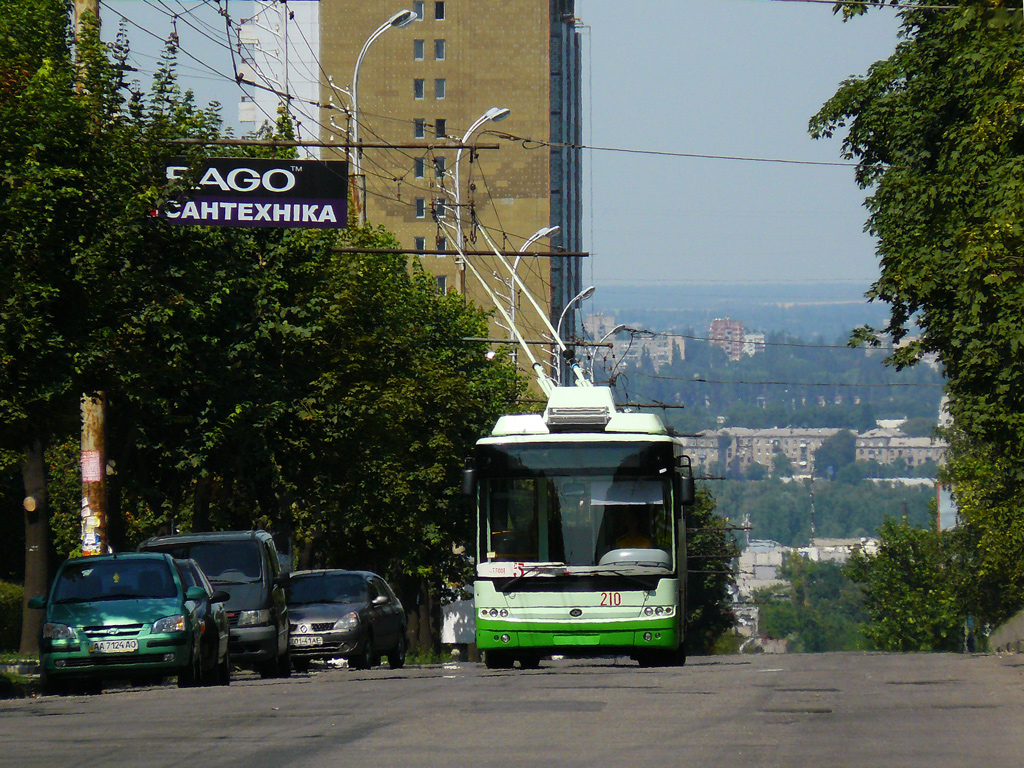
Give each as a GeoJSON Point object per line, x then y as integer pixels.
{"type": "Point", "coordinates": [583, 295]}
{"type": "Point", "coordinates": [400, 19]}
{"type": "Point", "coordinates": [492, 115]}
{"type": "Point", "coordinates": [513, 287]}
{"type": "Point", "coordinates": [599, 342]}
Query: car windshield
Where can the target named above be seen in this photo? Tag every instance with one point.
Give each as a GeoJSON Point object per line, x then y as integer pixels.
{"type": "Point", "coordinates": [90, 581]}
{"type": "Point", "coordinates": [226, 562]}
{"type": "Point", "coordinates": [325, 588]}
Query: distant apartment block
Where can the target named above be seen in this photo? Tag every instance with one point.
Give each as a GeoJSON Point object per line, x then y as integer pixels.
{"type": "Point", "coordinates": [727, 335]}
{"type": "Point", "coordinates": [753, 343]}
{"type": "Point", "coordinates": [629, 349]}
{"type": "Point", "coordinates": [738, 447]}
{"type": "Point", "coordinates": [887, 445]}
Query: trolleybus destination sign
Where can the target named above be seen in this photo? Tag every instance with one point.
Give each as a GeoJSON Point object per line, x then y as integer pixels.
{"type": "Point", "coordinates": [257, 192]}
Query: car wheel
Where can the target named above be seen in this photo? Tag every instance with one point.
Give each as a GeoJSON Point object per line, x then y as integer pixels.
{"type": "Point", "coordinates": [300, 665]}
{"type": "Point", "coordinates": [224, 670]}
{"type": "Point", "coordinates": [498, 660]}
{"type": "Point", "coordinates": [365, 659]}
{"type": "Point", "coordinates": [51, 687]}
{"type": "Point", "coordinates": [396, 658]}
{"type": "Point", "coordinates": [191, 675]}
{"type": "Point", "coordinates": [268, 669]}
{"type": "Point", "coordinates": [284, 664]}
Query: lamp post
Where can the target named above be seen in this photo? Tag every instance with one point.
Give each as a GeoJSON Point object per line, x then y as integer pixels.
{"type": "Point", "coordinates": [513, 287]}
{"type": "Point", "coordinates": [492, 115]}
{"type": "Point", "coordinates": [612, 332]}
{"type": "Point", "coordinates": [400, 19]}
{"type": "Point", "coordinates": [583, 295]}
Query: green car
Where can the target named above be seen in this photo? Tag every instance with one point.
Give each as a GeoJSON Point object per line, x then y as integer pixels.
{"type": "Point", "coordinates": [119, 616]}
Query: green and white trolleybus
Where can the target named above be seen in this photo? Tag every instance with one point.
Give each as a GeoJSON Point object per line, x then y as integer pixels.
{"type": "Point", "coordinates": [581, 546]}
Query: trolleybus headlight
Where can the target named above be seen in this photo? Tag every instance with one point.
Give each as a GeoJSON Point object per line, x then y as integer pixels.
{"type": "Point", "coordinates": [505, 638]}
{"type": "Point", "coordinates": [648, 636]}
{"type": "Point", "coordinates": [648, 611]}
{"type": "Point", "coordinates": [659, 611]}
{"type": "Point", "coordinates": [494, 612]}
{"type": "Point", "coordinates": [503, 612]}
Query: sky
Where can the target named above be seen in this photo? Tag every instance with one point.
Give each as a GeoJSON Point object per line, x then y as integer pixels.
{"type": "Point", "coordinates": [738, 78]}
{"type": "Point", "coordinates": [723, 77]}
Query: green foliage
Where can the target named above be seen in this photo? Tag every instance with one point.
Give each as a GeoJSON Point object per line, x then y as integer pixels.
{"type": "Point", "coordinates": [835, 453]}
{"type": "Point", "coordinates": [917, 588]}
{"type": "Point", "coordinates": [937, 133]}
{"type": "Point", "coordinates": [711, 552]}
{"type": "Point", "coordinates": [819, 610]}
{"type": "Point", "coordinates": [254, 377]}
{"type": "Point", "coordinates": [11, 600]}
{"type": "Point", "coordinates": [781, 511]}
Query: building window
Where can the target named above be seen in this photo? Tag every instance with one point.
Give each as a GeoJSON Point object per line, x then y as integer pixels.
{"type": "Point", "coordinates": [421, 208]}
{"type": "Point", "coordinates": [439, 50]}
{"type": "Point", "coordinates": [417, 8]}
{"type": "Point", "coordinates": [418, 48]}
{"type": "Point", "coordinates": [419, 128]}
{"type": "Point", "coordinates": [442, 243]}
{"type": "Point", "coordinates": [442, 284]}
{"type": "Point", "coordinates": [420, 244]}
{"type": "Point", "coordinates": [439, 10]}
{"type": "Point", "coordinates": [439, 88]}
{"type": "Point", "coordinates": [419, 167]}
{"type": "Point", "coordinates": [439, 207]}
{"type": "Point", "coordinates": [417, 88]}
{"type": "Point", "coordinates": [440, 128]}
{"type": "Point", "coordinates": [438, 167]}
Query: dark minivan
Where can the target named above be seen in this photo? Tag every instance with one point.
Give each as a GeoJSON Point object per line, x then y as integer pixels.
{"type": "Point", "coordinates": [246, 565]}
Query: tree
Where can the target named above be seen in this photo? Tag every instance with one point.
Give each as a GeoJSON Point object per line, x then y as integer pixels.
{"type": "Point", "coordinates": [836, 452]}
{"type": "Point", "coordinates": [819, 610]}
{"type": "Point", "coordinates": [936, 132]}
{"type": "Point", "coordinates": [918, 588]}
{"type": "Point", "coordinates": [711, 553]}
{"type": "Point", "coordinates": [782, 465]}
{"type": "Point", "coordinates": [63, 145]}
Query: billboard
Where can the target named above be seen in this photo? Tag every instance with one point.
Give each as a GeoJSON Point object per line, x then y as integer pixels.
{"type": "Point", "coordinates": [258, 192]}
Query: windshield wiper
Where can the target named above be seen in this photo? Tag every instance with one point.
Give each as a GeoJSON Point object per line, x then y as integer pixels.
{"type": "Point", "coordinates": [628, 577]}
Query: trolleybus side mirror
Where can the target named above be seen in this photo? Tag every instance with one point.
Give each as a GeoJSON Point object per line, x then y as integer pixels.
{"type": "Point", "coordinates": [686, 490]}
{"type": "Point", "coordinates": [468, 487]}
{"type": "Point", "coordinates": [685, 487]}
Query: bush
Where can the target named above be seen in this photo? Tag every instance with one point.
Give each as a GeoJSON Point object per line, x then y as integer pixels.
{"type": "Point", "coordinates": [11, 598]}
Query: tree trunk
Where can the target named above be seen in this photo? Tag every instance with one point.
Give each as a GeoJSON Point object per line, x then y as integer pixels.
{"type": "Point", "coordinates": [425, 625]}
{"type": "Point", "coordinates": [37, 540]}
{"type": "Point", "coordinates": [201, 505]}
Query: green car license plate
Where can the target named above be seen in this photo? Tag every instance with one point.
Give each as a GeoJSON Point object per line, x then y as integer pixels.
{"type": "Point", "coordinates": [114, 646]}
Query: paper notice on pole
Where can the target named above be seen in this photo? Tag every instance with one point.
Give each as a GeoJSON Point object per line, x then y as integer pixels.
{"type": "Point", "coordinates": [92, 472]}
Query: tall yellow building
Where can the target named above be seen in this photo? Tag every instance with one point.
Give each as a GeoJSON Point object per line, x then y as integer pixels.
{"type": "Point", "coordinates": [421, 87]}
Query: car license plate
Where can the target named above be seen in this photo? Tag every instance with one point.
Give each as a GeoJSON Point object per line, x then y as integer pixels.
{"type": "Point", "coordinates": [114, 646]}
{"type": "Point", "coordinates": [307, 640]}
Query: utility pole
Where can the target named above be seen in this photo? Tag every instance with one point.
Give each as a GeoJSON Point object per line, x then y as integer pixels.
{"type": "Point", "coordinates": [94, 409]}
{"type": "Point", "coordinates": [85, 6]}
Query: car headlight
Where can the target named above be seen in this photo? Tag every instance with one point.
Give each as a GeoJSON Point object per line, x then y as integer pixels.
{"type": "Point", "coordinates": [253, 618]}
{"type": "Point", "coordinates": [167, 624]}
{"type": "Point", "coordinates": [53, 631]}
{"type": "Point", "coordinates": [348, 621]}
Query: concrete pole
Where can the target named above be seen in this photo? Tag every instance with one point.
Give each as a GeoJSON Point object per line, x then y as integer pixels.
{"type": "Point", "coordinates": [83, 6]}
{"type": "Point", "coordinates": [94, 475]}
{"type": "Point", "coordinates": [94, 407]}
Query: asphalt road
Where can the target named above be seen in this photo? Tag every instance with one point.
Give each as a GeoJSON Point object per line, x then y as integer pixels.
{"type": "Point", "coordinates": [801, 710]}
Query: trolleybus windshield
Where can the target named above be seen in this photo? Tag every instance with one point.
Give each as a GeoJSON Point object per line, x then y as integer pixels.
{"type": "Point", "coordinates": [589, 504]}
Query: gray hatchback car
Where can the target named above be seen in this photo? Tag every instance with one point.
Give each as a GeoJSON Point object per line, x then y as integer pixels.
{"type": "Point", "coordinates": [338, 614]}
